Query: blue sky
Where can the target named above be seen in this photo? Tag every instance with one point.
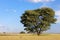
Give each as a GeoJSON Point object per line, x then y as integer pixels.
{"type": "Point", "coordinates": [11, 10]}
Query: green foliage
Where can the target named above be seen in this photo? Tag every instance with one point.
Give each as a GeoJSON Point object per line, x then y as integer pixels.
{"type": "Point", "coordinates": [39, 20]}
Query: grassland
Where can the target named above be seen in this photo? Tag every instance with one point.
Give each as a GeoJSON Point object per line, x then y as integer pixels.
{"type": "Point", "coordinates": [30, 37]}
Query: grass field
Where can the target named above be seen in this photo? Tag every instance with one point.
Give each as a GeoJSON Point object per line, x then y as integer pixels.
{"type": "Point", "coordinates": [31, 37]}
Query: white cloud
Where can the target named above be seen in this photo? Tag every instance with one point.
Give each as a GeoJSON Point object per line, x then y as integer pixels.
{"type": "Point", "coordinates": [0, 25]}
{"type": "Point", "coordinates": [14, 10]}
{"type": "Point", "coordinates": [57, 13]}
{"type": "Point", "coordinates": [6, 10]}
{"type": "Point", "coordinates": [10, 10]}
{"type": "Point", "coordinates": [37, 1]}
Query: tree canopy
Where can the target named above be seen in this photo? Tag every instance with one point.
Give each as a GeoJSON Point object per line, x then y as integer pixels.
{"type": "Point", "coordinates": [38, 20]}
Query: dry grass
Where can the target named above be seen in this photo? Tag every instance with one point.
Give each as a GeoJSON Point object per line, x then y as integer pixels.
{"type": "Point", "coordinates": [31, 37]}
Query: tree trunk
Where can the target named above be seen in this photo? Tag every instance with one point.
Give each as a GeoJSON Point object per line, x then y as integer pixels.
{"type": "Point", "coordinates": [38, 33]}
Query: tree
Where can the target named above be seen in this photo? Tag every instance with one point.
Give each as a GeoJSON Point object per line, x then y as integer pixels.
{"type": "Point", "coordinates": [4, 32]}
{"type": "Point", "coordinates": [38, 20]}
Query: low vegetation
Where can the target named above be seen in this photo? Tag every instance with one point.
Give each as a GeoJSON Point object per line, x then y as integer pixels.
{"type": "Point", "coordinates": [31, 37]}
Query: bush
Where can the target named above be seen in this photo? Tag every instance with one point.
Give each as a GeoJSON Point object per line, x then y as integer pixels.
{"type": "Point", "coordinates": [22, 32]}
